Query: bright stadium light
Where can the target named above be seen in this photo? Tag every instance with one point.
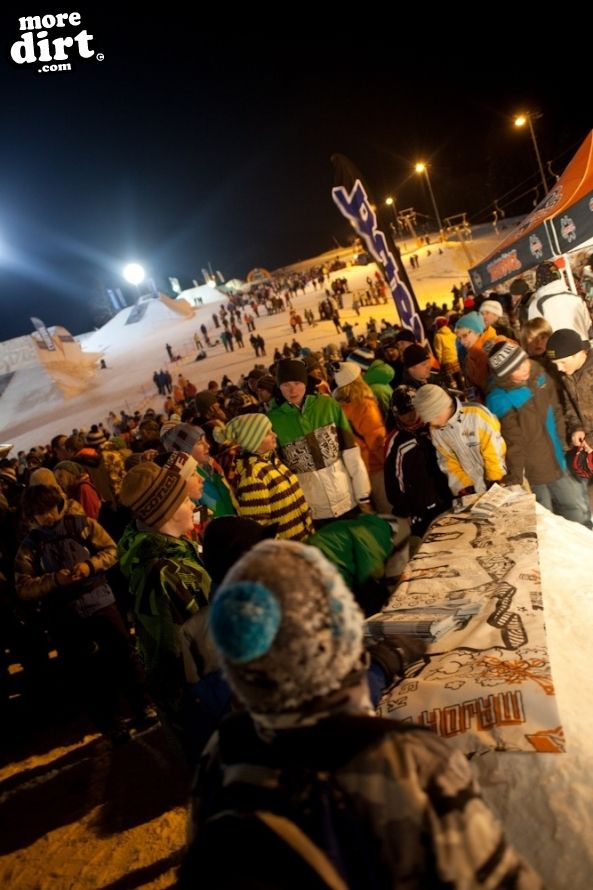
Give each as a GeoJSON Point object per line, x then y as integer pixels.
{"type": "Point", "coordinates": [134, 273]}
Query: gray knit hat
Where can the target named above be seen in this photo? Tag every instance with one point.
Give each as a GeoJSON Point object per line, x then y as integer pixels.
{"type": "Point", "coordinates": [286, 627]}
{"type": "Point", "coordinates": [430, 401]}
{"type": "Point", "coordinates": [505, 358]}
{"type": "Point", "coordinates": [181, 436]}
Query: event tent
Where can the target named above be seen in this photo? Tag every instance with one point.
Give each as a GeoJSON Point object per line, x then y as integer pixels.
{"type": "Point", "coordinates": [562, 222]}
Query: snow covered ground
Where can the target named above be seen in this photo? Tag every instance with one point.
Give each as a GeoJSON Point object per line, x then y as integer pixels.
{"type": "Point", "coordinates": [32, 411]}
{"type": "Point", "coordinates": [77, 815]}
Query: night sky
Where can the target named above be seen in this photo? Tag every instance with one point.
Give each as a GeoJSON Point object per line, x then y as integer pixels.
{"type": "Point", "coordinates": [185, 147]}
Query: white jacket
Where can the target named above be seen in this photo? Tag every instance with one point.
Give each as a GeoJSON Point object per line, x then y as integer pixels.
{"type": "Point", "coordinates": [560, 308]}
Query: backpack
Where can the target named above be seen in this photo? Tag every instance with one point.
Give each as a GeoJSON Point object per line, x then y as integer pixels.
{"type": "Point", "coordinates": [288, 826]}
{"type": "Point", "coordinates": [61, 547]}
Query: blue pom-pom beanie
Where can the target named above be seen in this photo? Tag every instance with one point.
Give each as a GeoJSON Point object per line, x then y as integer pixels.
{"type": "Point", "coordinates": [286, 627]}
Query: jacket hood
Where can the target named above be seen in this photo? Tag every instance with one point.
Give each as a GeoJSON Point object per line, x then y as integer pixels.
{"type": "Point", "coordinates": [379, 372]}
{"type": "Point", "coordinates": [142, 547]}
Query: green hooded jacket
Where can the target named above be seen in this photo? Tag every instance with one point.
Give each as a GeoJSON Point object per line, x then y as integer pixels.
{"type": "Point", "coordinates": [379, 377]}
{"type": "Point", "coordinates": [168, 585]}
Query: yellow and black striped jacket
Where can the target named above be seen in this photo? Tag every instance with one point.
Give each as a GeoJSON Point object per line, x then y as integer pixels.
{"type": "Point", "coordinates": [268, 492]}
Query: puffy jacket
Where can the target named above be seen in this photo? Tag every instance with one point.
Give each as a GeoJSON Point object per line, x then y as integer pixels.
{"type": "Point", "coordinates": [561, 308]}
{"type": "Point", "coordinates": [470, 448]}
{"type": "Point", "coordinates": [533, 428]}
{"type": "Point", "coordinates": [316, 443]}
{"type": "Point", "coordinates": [70, 540]}
{"type": "Point", "coordinates": [414, 483]}
{"type": "Point", "coordinates": [379, 377]}
{"type": "Point", "coordinates": [445, 346]}
{"type": "Point", "coordinates": [367, 425]}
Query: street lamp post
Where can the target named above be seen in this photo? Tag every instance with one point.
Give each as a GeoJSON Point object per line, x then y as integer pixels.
{"type": "Point", "coordinates": [422, 168]}
{"type": "Point", "coordinates": [528, 118]}
{"type": "Point", "coordinates": [390, 201]}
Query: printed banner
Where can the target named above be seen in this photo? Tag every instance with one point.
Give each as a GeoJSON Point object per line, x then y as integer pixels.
{"type": "Point", "coordinates": [486, 681]}
{"type": "Point", "coordinates": [356, 207]}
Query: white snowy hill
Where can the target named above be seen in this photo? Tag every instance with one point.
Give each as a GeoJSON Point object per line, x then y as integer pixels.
{"type": "Point", "coordinates": [133, 345]}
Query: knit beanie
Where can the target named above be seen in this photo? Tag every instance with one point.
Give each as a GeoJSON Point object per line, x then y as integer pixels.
{"type": "Point", "coordinates": [311, 361]}
{"type": "Point", "coordinates": [255, 374]}
{"type": "Point", "coordinates": [402, 399]}
{"type": "Point", "coordinates": [347, 373]}
{"type": "Point", "coordinates": [42, 476]}
{"type": "Point", "coordinates": [504, 358]}
{"type": "Point", "coordinates": [182, 463]}
{"type": "Point", "coordinates": [266, 382]}
{"type": "Point", "coordinates": [492, 306]}
{"type": "Point", "coordinates": [70, 466]}
{"type": "Point", "coordinates": [519, 287]}
{"type": "Point", "coordinates": [95, 438]}
{"type": "Point", "coordinates": [473, 321]}
{"type": "Point", "coordinates": [248, 430]}
{"type": "Point", "coordinates": [564, 343]}
{"type": "Point", "coordinates": [405, 336]}
{"type": "Point", "coordinates": [289, 369]}
{"type": "Point", "coordinates": [362, 357]}
{"type": "Point", "coordinates": [152, 494]}
{"type": "Point", "coordinates": [168, 425]}
{"type": "Point", "coordinates": [430, 401]}
{"type": "Point", "coordinates": [440, 321]}
{"type": "Point", "coordinates": [204, 400]}
{"type": "Point", "coordinates": [414, 355]}
{"type": "Point", "coordinates": [286, 627]}
{"type": "Point", "coordinates": [181, 437]}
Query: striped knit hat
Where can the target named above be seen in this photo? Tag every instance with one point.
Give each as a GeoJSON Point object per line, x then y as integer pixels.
{"type": "Point", "coordinates": [95, 438]}
{"type": "Point", "coordinates": [152, 494]}
{"type": "Point", "coordinates": [362, 357]}
{"type": "Point", "coordinates": [249, 430]}
{"type": "Point", "coordinates": [181, 436]}
{"type": "Point", "coordinates": [505, 357]}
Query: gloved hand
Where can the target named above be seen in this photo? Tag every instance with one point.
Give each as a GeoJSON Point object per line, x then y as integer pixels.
{"type": "Point", "coordinates": [469, 490]}
{"type": "Point", "coordinates": [395, 653]}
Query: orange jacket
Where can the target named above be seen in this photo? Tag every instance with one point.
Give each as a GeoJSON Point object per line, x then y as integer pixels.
{"type": "Point", "coordinates": [367, 425]}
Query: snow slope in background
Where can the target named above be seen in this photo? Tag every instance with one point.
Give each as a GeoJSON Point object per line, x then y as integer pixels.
{"type": "Point", "coordinates": [133, 352]}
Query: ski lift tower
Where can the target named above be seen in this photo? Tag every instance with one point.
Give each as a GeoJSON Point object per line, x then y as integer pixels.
{"type": "Point", "coordinates": [407, 219]}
